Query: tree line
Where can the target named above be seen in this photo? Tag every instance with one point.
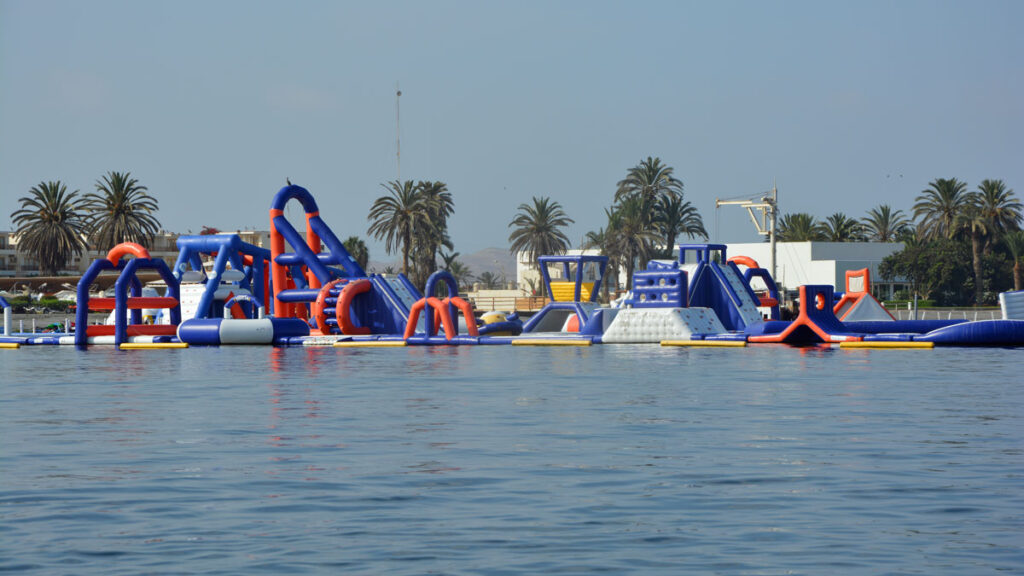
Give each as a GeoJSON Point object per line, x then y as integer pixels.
{"type": "Point", "coordinates": [54, 225]}
{"type": "Point", "coordinates": [959, 245]}
{"type": "Point", "coordinates": [962, 244]}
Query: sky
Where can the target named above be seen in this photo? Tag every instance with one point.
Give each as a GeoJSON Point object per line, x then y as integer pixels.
{"type": "Point", "coordinates": [212, 105]}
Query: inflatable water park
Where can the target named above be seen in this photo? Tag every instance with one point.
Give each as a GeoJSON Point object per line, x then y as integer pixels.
{"type": "Point", "coordinates": [307, 290]}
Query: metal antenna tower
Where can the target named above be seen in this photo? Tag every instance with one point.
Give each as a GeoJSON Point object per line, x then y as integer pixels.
{"type": "Point", "coordinates": [398, 131]}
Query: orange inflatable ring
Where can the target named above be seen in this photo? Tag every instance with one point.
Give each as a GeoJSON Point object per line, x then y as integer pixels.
{"type": "Point", "coordinates": [343, 310]}
{"type": "Point", "coordinates": [319, 317]}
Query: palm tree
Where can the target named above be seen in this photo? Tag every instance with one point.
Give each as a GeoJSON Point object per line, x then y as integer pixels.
{"type": "Point", "coordinates": [1015, 244]}
{"type": "Point", "coordinates": [601, 240]}
{"type": "Point", "coordinates": [461, 272]}
{"type": "Point", "coordinates": [938, 206]}
{"type": "Point", "coordinates": [652, 184]}
{"type": "Point", "coordinates": [395, 217]}
{"type": "Point", "coordinates": [120, 210]}
{"type": "Point", "coordinates": [841, 228]}
{"type": "Point", "coordinates": [49, 225]}
{"type": "Point", "coordinates": [433, 233]}
{"type": "Point", "coordinates": [489, 280]}
{"type": "Point", "coordinates": [676, 216]}
{"type": "Point", "coordinates": [456, 267]}
{"type": "Point", "coordinates": [974, 224]}
{"type": "Point", "coordinates": [882, 224]}
{"type": "Point", "coordinates": [537, 229]}
{"type": "Point", "coordinates": [449, 258]}
{"type": "Point", "coordinates": [999, 207]}
{"type": "Point", "coordinates": [649, 180]}
{"type": "Point", "coordinates": [357, 250]}
{"type": "Point", "coordinates": [629, 235]}
{"type": "Point", "coordinates": [799, 227]}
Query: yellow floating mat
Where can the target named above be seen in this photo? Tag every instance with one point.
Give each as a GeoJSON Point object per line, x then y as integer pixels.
{"type": "Point", "coordinates": [706, 343]}
{"type": "Point", "coordinates": [9, 345]}
{"type": "Point", "coordinates": [152, 345]}
{"type": "Point", "coordinates": [543, 342]}
{"type": "Point", "coordinates": [369, 344]}
{"type": "Point", "coordinates": [889, 344]}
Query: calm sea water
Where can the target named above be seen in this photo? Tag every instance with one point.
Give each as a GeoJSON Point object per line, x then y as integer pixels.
{"type": "Point", "coordinates": [501, 460]}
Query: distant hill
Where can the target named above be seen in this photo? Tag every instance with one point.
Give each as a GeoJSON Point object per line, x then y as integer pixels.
{"type": "Point", "coordinates": [497, 261]}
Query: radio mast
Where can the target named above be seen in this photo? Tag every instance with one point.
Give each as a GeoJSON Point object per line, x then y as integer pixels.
{"type": "Point", "coordinates": [398, 132]}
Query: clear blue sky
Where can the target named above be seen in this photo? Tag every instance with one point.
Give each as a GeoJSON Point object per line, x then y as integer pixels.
{"type": "Point", "coordinates": [213, 104]}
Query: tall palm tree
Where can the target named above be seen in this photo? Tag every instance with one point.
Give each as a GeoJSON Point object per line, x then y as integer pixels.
{"type": "Point", "coordinates": [841, 228]}
{"type": "Point", "coordinates": [1015, 244]}
{"type": "Point", "coordinates": [974, 224]}
{"type": "Point", "coordinates": [433, 233]}
{"type": "Point", "coordinates": [357, 249]}
{"type": "Point", "coordinates": [999, 207]}
{"type": "Point", "coordinates": [50, 225]}
{"type": "Point", "coordinates": [675, 216]}
{"type": "Point", "coordinates": [120, 210]}
{"type": "Point", "coordinates": [537, 229]}
{"type": "Point", "coordinates": [395, 217]}
{"type": "Point", "coordinates": [649, 180]}
{"type": "Point", "coordinates": [799, 227]}
{"type": "Point", "coordinates": [629, 235]}
{"type": "Point", "coordinates": [938, 206]}
{"type": "Point", "coordinates": [882, 224]}
{"type": "Point", "coordinates": [651, 183]}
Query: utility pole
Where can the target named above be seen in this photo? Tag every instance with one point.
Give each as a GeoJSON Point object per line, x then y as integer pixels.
{"type": "Point", "coordinates": [398, 132]}
{"type": "Point", "coordinates": [767, 206]}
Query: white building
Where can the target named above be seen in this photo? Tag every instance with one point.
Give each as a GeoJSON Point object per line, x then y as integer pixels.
{"type": "Point", "coordinates": [799, 263]}
{"type": "Point", "coordinates": [14, 263]}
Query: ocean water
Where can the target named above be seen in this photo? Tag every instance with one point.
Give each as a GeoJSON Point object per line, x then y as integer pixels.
{"type": "Point", "coordinates": [502, 460]}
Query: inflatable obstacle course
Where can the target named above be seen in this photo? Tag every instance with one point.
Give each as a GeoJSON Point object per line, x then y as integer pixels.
{"type": "Point", "coordinates": [441, 314]}
{"type": "Point", "coordinates": [205, 292]}
{"type": "Point", "coordinates": [581, 280]}
{"type": "Point", "coordinates": [128, 302]}
{"type": "Point", "coordinates": [306, 290]}
{"type": "Point", "coordinates": [1012, 305]}
{"type": "Point", "coordinates": [753, 270]}
{"type": "Point", "coordinates": [720, 287]}
{"type": "Point", "coordinates": [857, 304]}
{"type": "Point", "coordinates": [816, 321]}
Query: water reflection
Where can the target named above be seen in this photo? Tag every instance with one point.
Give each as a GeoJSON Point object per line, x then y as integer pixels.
{"type": "Point", "coordinates": [621, 459]}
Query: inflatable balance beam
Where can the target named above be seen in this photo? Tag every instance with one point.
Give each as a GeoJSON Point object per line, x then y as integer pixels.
{"type": "Point", "coordinates": [815, 323]}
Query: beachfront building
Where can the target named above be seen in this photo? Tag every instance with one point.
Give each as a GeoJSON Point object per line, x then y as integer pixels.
{"type": "Point", "coordinates": [8, 255]}
{"type": "Point", "coordinates": [14, 263]}
{"type": "Point", "coordinates": [799, 263]}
